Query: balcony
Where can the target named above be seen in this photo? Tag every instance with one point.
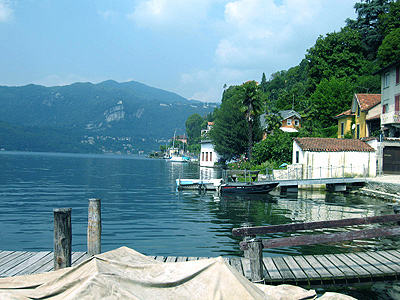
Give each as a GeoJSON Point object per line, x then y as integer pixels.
{"type": "Point", "coordinates": [391, 117]}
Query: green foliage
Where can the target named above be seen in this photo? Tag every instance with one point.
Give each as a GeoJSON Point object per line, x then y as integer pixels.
{"type": "Point", "coordinates": [338, 54]}
{"type": "Point", "coordinates": [18, 138]}
{"type": "Point", "coordinates": [229, 133]}
{"type": "Point", "coordinates": [275, 149]}
{"type": "Point", "coordinates": [250, 98]}
{"type": "Point", "coordinates": [389, 51]}
{"type": "Point", "coordinates": [390, 20]}
{"type": "Point", "coordinates": [329, 99]}
{"type": "Point", "coordinates": [368, 23]}
{"type": "Point", "coordinates": [193, 128]}
{"type": "Point", "coordinates": [242, 163]}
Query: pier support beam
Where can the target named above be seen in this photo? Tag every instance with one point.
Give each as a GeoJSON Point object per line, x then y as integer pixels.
{"type": "Point", "coordinates": [94, 227]}
{"type": "Point", "coordinates": [256, 261]}
{"type": "Point", "coordinates": [62, 238]}
{"type": "Point", "coordinates": [336, 187]}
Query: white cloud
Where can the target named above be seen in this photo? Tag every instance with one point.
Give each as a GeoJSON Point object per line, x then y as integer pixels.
{"type": "Point", "coordinates": [276, 36]}
{"type": "Point", "coordinates": [6, 13]}
{"type": "Point", "coordinates": [107, 14]}
{"type": "Point", "coordinates": [179, 15]}
{"type": "Point", "coordinates": [55, 80]}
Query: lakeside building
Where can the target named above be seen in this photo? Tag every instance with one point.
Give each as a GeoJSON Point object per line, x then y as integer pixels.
{"type": "Point", "coordinates": [290, 122]}
{"type": "Point", "coordinates": [208, 156]}
{"type": "Point", "coordinates": [333, 157]}
{"type": "Point", "coordinates": [363, 118]}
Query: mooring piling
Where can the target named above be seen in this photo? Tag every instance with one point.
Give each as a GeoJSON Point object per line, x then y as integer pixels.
{"type": "Point", "coordinates": [62, 238]}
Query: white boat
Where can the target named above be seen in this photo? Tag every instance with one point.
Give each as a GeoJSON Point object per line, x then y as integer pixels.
{"type": "Point", "coordinates": [178, 159]}
{"type": "Point", "coordinates": [200, 184]}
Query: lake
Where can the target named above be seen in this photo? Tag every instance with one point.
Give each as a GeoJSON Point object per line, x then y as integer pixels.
{"type": "Point", "coordinates": [141, 208]}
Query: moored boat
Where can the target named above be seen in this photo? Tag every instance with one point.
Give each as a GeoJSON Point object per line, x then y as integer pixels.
{"type": "Point", "coordinates": [194, 184]}
{"type": "Point", "coordinates": [179, 159]}
{"type": "Point", "coordinates": [257, 187]}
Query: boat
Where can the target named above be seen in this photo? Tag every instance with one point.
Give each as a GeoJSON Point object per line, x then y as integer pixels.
{"type": "Point", "coordinates": [257, 187]}
{"type": "Point", "coordinates": [179, 159]}
{"type": "Point", "coordinates": [198, 184]}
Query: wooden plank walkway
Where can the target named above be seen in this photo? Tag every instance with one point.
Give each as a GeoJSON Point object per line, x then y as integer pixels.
{"type": "Point", "coordinates": [15, 263]}
{"type": "Point", "coordinates": [299, 270]}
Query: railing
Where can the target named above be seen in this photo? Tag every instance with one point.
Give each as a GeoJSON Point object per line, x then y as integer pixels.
{"type": "Point", "coordinates": [297, 172]}
{"type": "Point", "coordinates": [391, 117]}
{"type": "Point", "coordinates": [254, 245]}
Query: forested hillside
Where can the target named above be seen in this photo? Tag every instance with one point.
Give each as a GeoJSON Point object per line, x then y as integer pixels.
{"type": "Point", "coordinates": [84, 117]}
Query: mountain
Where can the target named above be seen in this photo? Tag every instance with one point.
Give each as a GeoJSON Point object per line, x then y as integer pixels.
{"type": "Point", "coordinates": [131, 113]}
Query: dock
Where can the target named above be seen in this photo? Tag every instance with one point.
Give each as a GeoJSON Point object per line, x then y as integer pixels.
{"type": "Point", "coordinates": [308, 270]}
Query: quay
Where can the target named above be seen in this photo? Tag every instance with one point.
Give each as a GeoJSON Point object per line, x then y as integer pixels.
{"type": "Point", "coordinates": [308, 270]}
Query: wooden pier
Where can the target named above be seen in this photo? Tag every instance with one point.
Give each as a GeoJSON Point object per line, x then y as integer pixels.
{"type": "Point", "coordinates": [361, 267]}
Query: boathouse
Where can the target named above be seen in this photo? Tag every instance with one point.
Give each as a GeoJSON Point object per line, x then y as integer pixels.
{"type": "Point", "coordinates": [332, 157]}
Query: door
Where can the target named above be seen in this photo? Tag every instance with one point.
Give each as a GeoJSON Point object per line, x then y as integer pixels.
{"type": "Point", "coordinates": [391, 160]}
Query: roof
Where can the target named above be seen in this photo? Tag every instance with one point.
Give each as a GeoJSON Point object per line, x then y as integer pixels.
{"type": "Point", "coordinates": [367, 101]}
{"type": "Point", "coordinates": [289, 113]}
{"type": "Point", "coordinates": [344, 114]}
{"type": "Point", "coordinates": [332, 145]}
{"type": "Point", "coordinates": [377, 117]}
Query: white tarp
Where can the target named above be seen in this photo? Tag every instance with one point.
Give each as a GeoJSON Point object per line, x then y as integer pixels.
{"type": "Point", "coordinates": [126, 274]}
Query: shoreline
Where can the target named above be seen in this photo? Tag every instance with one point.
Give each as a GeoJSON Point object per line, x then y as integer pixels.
{"type": "Point", "coordinates": [386, 187]}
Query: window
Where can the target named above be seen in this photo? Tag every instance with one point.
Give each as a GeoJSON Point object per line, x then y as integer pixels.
{"type": "Point", "coordinates": [358, 131]}
{"type": "Point", "coordinates": [297, 157]}
{"type": "Point", "coordinates": [296, 122]}
{"type": "Point", "coordinates": [342, 129]}
{"type": "Point", "coordinates": [385, 108]}
{"type": "Point", "coordinates": [289, 122]}
{"type": "Point", "coordinates": [386, 82]}
{"type": "Point", "coordinates": [202, 156]}
{"type": "Point", "coordinates": [206, 156]}
{"type": "Point", "coordinates": [397, 74]}
{"type": "Point", "coordinates": [397, 103]}
{"type": "Point", "coordinates": [210, 156]}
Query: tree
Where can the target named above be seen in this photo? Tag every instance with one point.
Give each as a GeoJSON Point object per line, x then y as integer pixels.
{"type": "Point", "coordinates": [368, 23]}
{"type": "Point", "coordinates": [391, 20]}
{"type": "Point", "coordinates": [389, 51]}
{"type": "Point", "coordinates": [339, 54]}
{"type": "Point", "coordinates": [330, 98]}
{"type": "Point", "coordinates": [250, 99]}
{"type": "Point", "coordinates": [193, 128]}
{"type": "Point", "coordinates": [263, 84]}
{"type": "Point", "coordinates": [229, 133]}
{"type": "Point", "coordinates": [276, 148]}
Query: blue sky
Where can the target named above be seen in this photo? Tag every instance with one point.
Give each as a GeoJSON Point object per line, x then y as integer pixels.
{"type": "Point", "coordinates": [190, 47]}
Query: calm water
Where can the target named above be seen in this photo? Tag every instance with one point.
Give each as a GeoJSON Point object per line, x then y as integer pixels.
{"type": "Point", "coordinates": [142, 210]}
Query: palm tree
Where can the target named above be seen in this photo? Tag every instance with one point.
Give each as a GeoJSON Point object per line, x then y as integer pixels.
{"type": "Point", "coordinates": [251, 102]}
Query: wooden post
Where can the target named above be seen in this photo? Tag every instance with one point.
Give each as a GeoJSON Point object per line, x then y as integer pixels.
{"type": "Point", "coordinates": [256, 261]}
{"type": "Point", "coordinates": [247, 237]}
{"type": "Point", "coordinates": [94, 227]}
{"type": "Point", "coordinates": [62, 238]}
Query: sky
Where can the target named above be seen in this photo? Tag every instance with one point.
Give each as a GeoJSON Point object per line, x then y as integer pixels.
{"type": "Point", "coordinates": [189, 47]}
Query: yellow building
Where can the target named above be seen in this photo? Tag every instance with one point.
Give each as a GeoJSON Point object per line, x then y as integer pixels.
{"type": "Point", "coordinates": [363, 119]}
{"type": "Point", "coordinates": [344, 123]}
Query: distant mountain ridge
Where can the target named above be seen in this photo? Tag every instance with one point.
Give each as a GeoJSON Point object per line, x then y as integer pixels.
{"type": "Point", "coordinates": [145, 114]}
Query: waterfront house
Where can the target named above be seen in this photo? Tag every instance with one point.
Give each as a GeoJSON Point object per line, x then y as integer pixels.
{"type": "Point", "coordinates": [363, 117]}
{"type": "Point", "coordinates": [327, 157]}
{"type": "Point", "coordinates": [290, 122]}
{"type": "Point", "coordinates": [208, 156]}
{"type": "Point", "coordinates": [390, 90]}
{"type": "Point", "coordinates": [390, 117]}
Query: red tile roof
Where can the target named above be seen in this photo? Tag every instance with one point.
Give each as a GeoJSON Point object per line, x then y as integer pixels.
{"type": "Point", "coordinates": [368, 101]}
{"type": "Point", "coordinates": [332, 145]}
{"type": "Point", "coordinates": [343, 114]}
